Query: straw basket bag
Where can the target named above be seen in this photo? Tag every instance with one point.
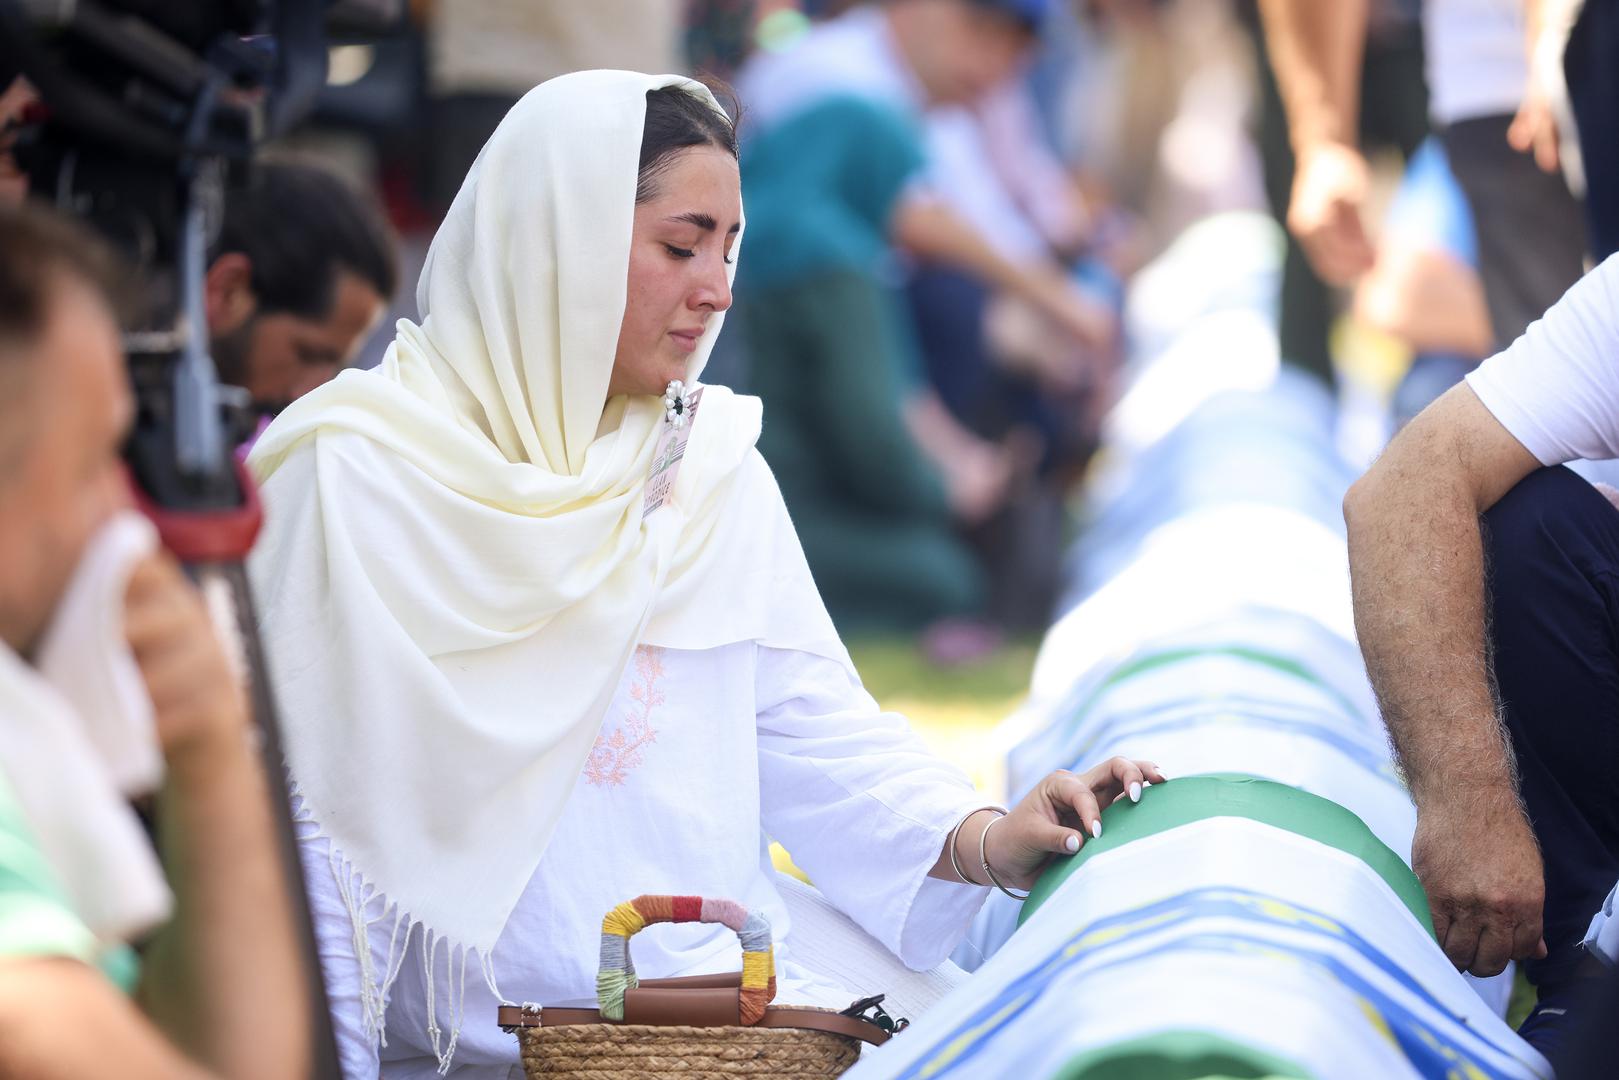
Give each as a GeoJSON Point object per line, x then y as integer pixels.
{"type": "Point", "coordinates": [711, 1026]}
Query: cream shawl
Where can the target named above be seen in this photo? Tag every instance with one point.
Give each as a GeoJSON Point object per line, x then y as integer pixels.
{"type": "Point", "coordinates": [455, 568]}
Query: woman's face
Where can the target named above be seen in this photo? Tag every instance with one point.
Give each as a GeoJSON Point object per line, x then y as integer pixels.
{"type": "Point", "coordinates": [680, 251]}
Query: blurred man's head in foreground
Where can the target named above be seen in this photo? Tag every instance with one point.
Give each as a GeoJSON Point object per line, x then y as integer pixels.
{"type": "Point", "coordinates": [959, 50]}
{"type": "Point", "coordinates": [65, 408]}
{"type": "Point", "coordinates": [303, 269]}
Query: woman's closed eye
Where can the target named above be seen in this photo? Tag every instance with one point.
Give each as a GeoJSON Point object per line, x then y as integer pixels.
{"type": "Point", "coordinates": [687, 253]}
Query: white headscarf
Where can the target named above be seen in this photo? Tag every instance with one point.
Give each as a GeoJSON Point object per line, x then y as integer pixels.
{"type": "Point", "coordinates": [455, 568]}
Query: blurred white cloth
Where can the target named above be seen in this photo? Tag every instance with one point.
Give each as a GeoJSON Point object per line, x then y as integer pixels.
{"type": "Point", "coordinates": [85, 656]}
{"type": "Point", "coordinates": [78, 736]}
{"type": "Point", "coordinates": [1476, 64]}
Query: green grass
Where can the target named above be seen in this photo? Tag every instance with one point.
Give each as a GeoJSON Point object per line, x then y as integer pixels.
{"type": "Point", "coordinates": [896, 667]}
{"type": "Point", "coordinates": [954, 709]}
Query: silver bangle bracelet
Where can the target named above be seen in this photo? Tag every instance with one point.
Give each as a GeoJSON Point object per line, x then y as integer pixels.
{"type": "Point", "coordinates": [983, 838]}
{"type": "Point", "coordinates": [950, 845]}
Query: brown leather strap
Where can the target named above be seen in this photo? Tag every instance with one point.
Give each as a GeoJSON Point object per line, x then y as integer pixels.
{"type": "Point", "coordinates": [683, 1007]}
{"type": "Point", "coordinates": [785, 1016]}
{"type": "Point", "coordinates": [776, 1016]}
{"type": "Point", "coordinates": [732, 979]}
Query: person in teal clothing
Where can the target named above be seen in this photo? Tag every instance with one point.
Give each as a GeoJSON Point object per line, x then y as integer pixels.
{"type": "Point", "coordinates": [36, 919]}
{"type": "Point", "coordinates": [831, 352]}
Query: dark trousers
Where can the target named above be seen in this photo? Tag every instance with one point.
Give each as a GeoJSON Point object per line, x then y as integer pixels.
{"type": "Point", "coordinates": [1552, 547]}
{"type": "Point", "coordinates": [1591, 65]}
{"type": "Point", "coordinates": [1531, 234]}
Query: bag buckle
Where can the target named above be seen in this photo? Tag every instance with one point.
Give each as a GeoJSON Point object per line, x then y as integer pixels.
{"type": "Point", "coordinates": [874, 1006]}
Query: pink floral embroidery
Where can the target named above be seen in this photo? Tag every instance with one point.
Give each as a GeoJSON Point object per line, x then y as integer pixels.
{"type": "Point", "coordinates": [618, 750]}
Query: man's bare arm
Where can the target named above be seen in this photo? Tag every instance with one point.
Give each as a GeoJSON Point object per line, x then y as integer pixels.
{"type": "Point", "coordinates": [225, 978]}
{"type": "Point", "coordinates": [1316, 50]}
{"type": "Point", "coordinates": [931, 230]}
{"type": "Point", "coordinates": [1416, 561]}
{"type": "Point", "coordinates": [61, 1020]}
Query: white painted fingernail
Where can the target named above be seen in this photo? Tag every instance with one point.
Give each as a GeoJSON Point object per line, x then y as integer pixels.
{"type": "Point", "coordinates": [1072, 843]}
{"type": "Point", "coordinates": [1096, 827]}
{"type": "Point", "coordinates": [1135, 791]}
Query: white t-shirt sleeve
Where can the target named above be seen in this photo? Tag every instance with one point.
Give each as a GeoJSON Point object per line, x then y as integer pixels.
{"type": "Point", "coordinates": [1556, 389]}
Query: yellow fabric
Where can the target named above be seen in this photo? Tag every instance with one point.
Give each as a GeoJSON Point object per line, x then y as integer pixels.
{"type": "Point", "coordinates": [758, 968]}
{"type": "Point", "coordinates": [624, 921]}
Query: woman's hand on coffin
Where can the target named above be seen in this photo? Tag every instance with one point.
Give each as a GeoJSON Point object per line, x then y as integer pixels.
{"type": "Point", "coordinates": [196, 698]}
{"type": "Point", "coordinates": [1060, 814]}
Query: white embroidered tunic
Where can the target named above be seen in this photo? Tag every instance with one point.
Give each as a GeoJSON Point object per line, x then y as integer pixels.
{"type": "Point", "coordinates": [703, 758]}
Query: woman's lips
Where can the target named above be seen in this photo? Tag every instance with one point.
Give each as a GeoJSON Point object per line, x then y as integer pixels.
{"type": "Point", "coordinates": [686, 339]}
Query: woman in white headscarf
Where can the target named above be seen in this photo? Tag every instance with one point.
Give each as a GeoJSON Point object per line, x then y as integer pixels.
{"type": "Point", "coordinates": [532, 663]}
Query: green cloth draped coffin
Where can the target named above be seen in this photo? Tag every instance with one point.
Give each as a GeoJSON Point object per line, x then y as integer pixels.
{"type": "Point", "coordinates": [1256, 916]}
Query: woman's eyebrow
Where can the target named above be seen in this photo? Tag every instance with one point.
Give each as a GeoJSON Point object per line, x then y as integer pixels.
{"type": "Point", "coordinates": [703, 221]}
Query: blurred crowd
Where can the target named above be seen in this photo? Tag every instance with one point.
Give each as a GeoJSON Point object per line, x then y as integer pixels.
{"type": "Point", "coordinates": [945, 200]}
{"type": "Point", "coordinates": [945, 204]}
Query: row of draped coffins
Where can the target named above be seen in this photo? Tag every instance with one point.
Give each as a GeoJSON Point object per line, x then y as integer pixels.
{"type": "Point", "coordinates": [1255, 917]}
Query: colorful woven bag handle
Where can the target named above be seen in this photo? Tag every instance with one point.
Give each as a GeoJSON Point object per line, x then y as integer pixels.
{"type": "Point", "coordinates": [617, 972]}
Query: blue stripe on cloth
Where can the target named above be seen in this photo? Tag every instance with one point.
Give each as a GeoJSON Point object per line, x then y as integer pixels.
{"type": "Point", "coordinates": [1089, 951]}
{"type": "Point", "coordinates": [1237, 712]}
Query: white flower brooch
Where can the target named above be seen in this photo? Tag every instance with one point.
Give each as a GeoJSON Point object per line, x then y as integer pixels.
{"type": "Point", "coordinates": [676, 404]}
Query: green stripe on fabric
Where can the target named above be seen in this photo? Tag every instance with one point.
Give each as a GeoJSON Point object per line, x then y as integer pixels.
{"type": "Point", "coordinates": [1190, 799]}
{"type": "Point", "coordinates": [1154, 661]}
{"type": "Point", "coordinates": [1179, 1055]}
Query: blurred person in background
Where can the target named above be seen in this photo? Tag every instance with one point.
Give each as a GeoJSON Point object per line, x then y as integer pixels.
{"type": "Point", "coordinates": [834, 358]}
{"type": "Point", "coordinates": [915, 56]}
{"type": "Point", "coordinates": [1423, 289]}
{"type": "Point", "coordinates": [1587, 56]}
{"type": "Point", "coordinates": [112, 684]}
{"type": "Point", "coordinates": [482, 55]}
{"type": "Point", "coordinates": [301, 273]}
{"type": "Point", "coordinates": [1530, 237]}
{"type": "Point", "coordinates": [303, 269]}
{"type": "Point", "coordinates": [1334, 78]}
{"type": "Point", "coordinates": [16, 95]}
{"type": "Point", "coordinates": [972, 229]}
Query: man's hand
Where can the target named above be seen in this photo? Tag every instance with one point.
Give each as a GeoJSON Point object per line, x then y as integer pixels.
{"type": "Point", "coordinates": [195, 695]}
{"type": "Point", "coordinates": [1329, 190]}
{"type": "Point", "coordinates": [1534, 130]}
{"type": "Point", "coordinates": [1481, 869]}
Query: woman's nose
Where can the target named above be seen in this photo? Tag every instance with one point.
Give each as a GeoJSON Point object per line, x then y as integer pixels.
{"type": "Point", "coordinates": [715, 291]}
